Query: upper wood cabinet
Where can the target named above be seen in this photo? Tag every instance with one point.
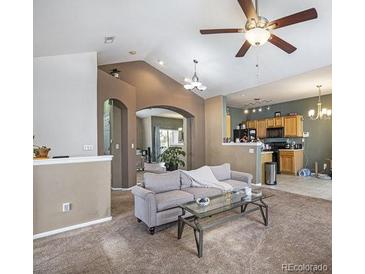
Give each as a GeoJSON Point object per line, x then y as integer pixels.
{"type": "Point", "coordinates": [279, 121]}
{"type": "Point", "coordinates": [251, 124]}
{"type": "Point", "coordinates": [293, 126]}
{"type": "Point", "coordinates": [261, 128]}
{"type": "Point", "coordinates": [275, 122]}
{"type": "Point", "coordinates": [270, 122]}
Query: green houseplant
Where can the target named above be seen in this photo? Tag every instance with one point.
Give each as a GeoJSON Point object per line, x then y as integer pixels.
{"type": "Point", "coordinates": [172, 158]}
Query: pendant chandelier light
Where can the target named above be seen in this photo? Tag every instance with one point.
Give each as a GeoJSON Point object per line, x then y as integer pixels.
{"type": "Point", "coordinates": [322, 113]}
{"type": "Point", "coordinates": [193, 83]}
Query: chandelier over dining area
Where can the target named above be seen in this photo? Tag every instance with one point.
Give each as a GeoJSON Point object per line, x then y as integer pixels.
{"type": "Point", "coordinates": [322, 113]}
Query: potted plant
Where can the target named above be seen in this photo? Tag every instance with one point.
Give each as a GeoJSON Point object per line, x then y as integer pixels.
{"type": "Point", "coordinates": [172, 158]}
{"type": "Point", "coordinates": [40, 151]}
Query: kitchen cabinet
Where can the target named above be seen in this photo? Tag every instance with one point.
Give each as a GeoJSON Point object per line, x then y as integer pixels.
{"type": "Point", "coordinates": [291, 160]}
{"type": "Point", "coordinates": [275, 122]}
{"type": "Point", "coordinates": [228, 126]}
{"type": "Point", "coordinates": [270, 122]}
{"type": "Point", "coordinates": [251, 124]}
{"type": "Point", "coordinates": [293, 126]}
{"type": "Point", "coordinates": [279, 121]}
{"type": "Point", "coordinates": [261, 128]}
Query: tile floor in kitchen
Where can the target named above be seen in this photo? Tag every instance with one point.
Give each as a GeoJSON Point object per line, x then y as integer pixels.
{"type": "Point", "coordinates": [308, 186]}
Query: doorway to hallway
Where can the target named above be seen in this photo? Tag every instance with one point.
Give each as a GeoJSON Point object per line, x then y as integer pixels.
{"type": "Point", "coordinates": [115, 141]}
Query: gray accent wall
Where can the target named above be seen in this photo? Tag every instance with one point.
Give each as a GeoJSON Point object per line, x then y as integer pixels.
{"type": "Point", "coordinates": [318, 146]}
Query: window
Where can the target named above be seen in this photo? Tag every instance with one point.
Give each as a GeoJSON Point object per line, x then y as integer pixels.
{"type": "Point", "coordinates": [169, 137]}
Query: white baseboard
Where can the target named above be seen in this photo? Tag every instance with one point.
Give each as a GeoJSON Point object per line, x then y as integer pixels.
{"type": "Point", "coordinates": [121, 189]}
{"type": "Point", "coordinates": [68, 228]}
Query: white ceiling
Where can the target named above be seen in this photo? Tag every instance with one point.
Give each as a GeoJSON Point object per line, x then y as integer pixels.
{"type": "Point", "coordinates": [291, 88]}
{"type": "Point", "coordinates": [160, 112]}
{"type": "Point", "coordinates": [169, 31]}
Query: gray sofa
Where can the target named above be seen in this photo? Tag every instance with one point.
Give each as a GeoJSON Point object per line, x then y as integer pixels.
{"type": "Point", "coordinates": [155, 203]}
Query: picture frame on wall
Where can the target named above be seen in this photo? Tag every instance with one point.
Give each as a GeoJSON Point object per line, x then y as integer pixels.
{"type": "Point", "coordinates": [277, 114]}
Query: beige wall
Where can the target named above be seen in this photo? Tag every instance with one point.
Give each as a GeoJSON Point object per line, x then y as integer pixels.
{"type": "Point", "coordinates": [110, 87]}
{"type": "Point", "coordinates": [85, 185]}
{"type": "Point", "coordinates": [64, 103]}
{"type": "Point", "coordinates": [215, 153]}
{"type": "Point", "coordinates": [154, 88]}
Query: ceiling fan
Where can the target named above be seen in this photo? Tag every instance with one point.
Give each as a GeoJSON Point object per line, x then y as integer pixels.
{"type": "Point", "coordinates": [258, 29]}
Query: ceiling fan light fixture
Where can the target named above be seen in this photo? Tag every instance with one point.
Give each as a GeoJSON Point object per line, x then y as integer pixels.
{"type": "Point", "coordinates": [257, 36]}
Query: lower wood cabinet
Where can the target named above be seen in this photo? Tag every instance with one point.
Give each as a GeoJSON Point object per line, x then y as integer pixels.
{"type": "Point", "coordinates": [291, 161]}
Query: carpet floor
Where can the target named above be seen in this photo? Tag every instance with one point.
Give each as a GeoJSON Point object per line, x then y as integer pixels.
{"type": "Point", "coordinates": [299, 232]}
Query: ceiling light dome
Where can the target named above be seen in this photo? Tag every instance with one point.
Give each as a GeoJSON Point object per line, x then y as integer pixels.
{"type": "Point", "coordinates": [257, 36]}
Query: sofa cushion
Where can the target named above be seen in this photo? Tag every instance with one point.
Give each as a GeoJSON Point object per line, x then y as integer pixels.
{"type": "Point", "coordinates": [185, 180]}
{"type": "Point", "coordinates": [199, 192]}
{"type": "Point", "coordinates": [170, 199]}
{"type": "Point", "coordinates": [222, 172]}
{"type": "Point", "coordinates": [237, 185]}
{"type": "Point", "coordinates": [162, 182]}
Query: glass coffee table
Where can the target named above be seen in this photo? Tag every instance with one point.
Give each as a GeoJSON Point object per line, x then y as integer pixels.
{"type": "Point", "coordinates": [200, 220]}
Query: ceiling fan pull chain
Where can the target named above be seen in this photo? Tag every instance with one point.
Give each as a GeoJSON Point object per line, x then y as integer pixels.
{"type": "Point", "coordinates": [257, 67]}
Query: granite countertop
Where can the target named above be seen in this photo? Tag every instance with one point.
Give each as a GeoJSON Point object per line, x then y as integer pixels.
{"type": "Point", "coordinates": [251, 144]}
{"type": "Point", "coordinates": [266, 152]}
{"type": "Point", "coordinates": [290, 149]}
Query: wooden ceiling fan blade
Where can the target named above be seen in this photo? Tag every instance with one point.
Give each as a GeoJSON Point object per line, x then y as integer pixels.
{"type": "Point", "coordinates": [294, 19]}
{"type": "Point", "coordinates": [216, 31]}
{"type": "Point", "coordinates": [280, 43]}
{"type": "Point", "coordinates": [248, 8]}
{"type": "Point", "coordinates": [246, 45]}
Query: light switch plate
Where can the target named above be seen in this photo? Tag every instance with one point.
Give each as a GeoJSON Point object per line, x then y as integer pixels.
{"type": "Point", "coordinates": [251, 150]}
{"type": "Point", "coordinates": [88, 147]}
{"type": "Point", "coordinates": [306, 134]}
{"type": "Point", "coordinates": [66, 207]}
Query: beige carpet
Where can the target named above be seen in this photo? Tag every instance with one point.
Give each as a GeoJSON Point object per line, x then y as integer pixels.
{"type": "Point", "coordinates": [299, 232]}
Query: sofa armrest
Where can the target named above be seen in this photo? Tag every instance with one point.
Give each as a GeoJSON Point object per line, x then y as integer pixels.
{"type": "Point", "coordinates": [145, 207]}
{"type": "Point", "coordinates": [242, 176]}
{"type": "Point", "coordinates": [142, 192]}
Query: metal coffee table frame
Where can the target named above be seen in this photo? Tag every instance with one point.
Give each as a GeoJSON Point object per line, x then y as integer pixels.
{"type": "Point", "coordinates": [194, 221]}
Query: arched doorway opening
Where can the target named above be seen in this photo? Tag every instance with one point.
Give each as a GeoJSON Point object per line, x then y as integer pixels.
{"type": "Point", "coordinates": [115, 130]}
{"type": "Point", "coordinates": [158, 129]}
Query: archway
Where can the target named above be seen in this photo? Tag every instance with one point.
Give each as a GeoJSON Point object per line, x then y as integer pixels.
{"type": "Point", "coordinates": [163, 126]}
{"type": "Point", "coordinates": [115, 133]}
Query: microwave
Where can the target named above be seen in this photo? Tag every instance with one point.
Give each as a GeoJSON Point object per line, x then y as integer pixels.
{"type": "Point", "coordinates": [277, 132]}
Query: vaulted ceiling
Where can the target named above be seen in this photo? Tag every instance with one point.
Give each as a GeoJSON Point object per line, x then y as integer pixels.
{"type": "Point", "coordinates": [169, 31]}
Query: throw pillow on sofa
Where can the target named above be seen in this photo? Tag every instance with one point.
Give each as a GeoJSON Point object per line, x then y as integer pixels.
{"type": "Point", "coordinates": [222, 172]}
{"type": "Point", "coordinates": [185, 180]}
{"type": "Point", "coordinates": [162, 182]}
